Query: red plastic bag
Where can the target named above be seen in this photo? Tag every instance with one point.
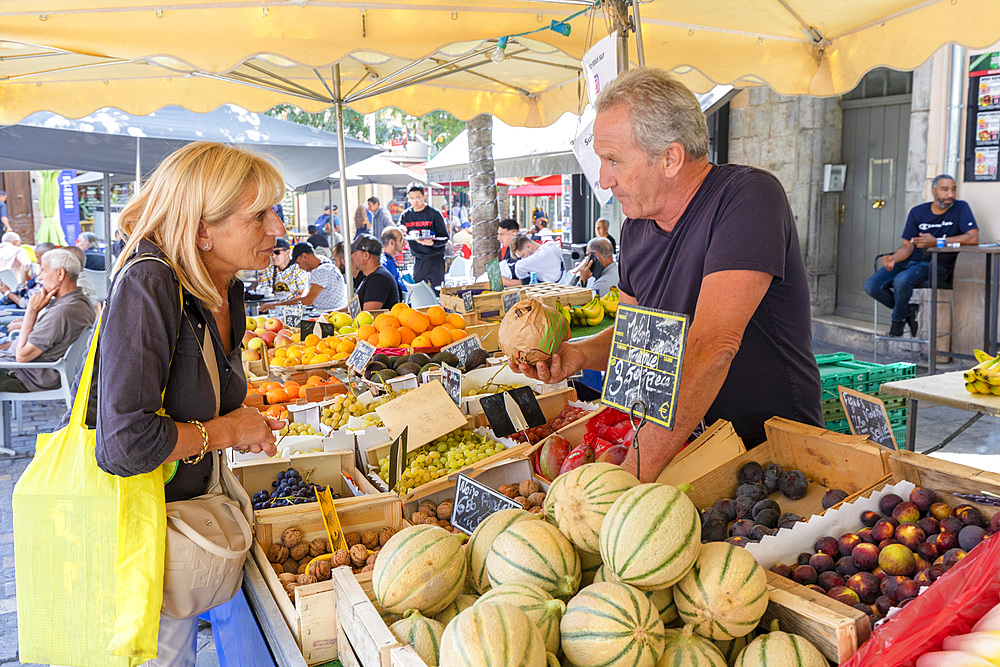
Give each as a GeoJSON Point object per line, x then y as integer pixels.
{"type": "Point", "coordinates": [951, 606]}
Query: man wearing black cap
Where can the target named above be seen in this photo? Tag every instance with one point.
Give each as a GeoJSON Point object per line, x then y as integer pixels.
{"type": "Point", "coordinates": [283, 277]}
{"type": "Point", "coordinates": [378, 288]}
{"type": "Point", "coordinates": [326, 289]}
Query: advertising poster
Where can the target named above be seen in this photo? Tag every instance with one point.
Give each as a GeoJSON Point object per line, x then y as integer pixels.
{"type": "Point", "coordinates": [982, 122]}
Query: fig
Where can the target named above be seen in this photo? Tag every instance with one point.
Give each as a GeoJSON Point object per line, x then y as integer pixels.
{"type": "Point", "coordinates": [750, 473]}
{"type": "Point", "coordinates": [788, 519]}
{"type": "Point", "coordinates": [866, 535]}
{"type": "Point", "coordinates": [970, 516]}
{"type": "Point", "coordinates": [758, 532]}
{"type": "Point", "coordinates": [923, 577]}
{"type": "Point", "coordinates": [827, 545]}
{"type": "Point", "coordinates": [772, 474]}
{"type": "Point", "coordinates": [952, 556]}
{"type": "Point", "coordinates": [737, 541]}
{"type": "Point", "coordinates": [754, 490]}
{"type": "Point", "coordinates": [767, 518]}
{"type": "Point", "coordinates": [804, 574]}
{"type": "Point", "coordinates": [927, 551]}
{"type": "Point", "coordinates": [897, 559]}
{"type": "Point", "coordinates": [830, 579]}
{"type": "Point", "coordinates": [945, 541]}
{"type": "Point", "coordinates": [882, 530]}
{"type": "Point", "coordinates": [551, 456]}
{"type": "Point", "coordinates": [884, 543]}
{"type": "Point", "coordinates": [911, 535]}
{"type": "Point", "coordinates": [782, 570]}
{"type": "Point", "coordinates": [803, 558]}
{"type": "Point", "coordinates": [868, 609]}
{"type": "Point", "coordinates": [579, 455]}
{"type": "Point", "coordinates": [844, 594]}
{"type": "Point", "coordinates": [816, 588]}
{"type": "Point", "coordinates": [847, 542]}
{"type": "Point", "coordinates": [832, 497]}
{"type": "Point", "coordinates": [883, 604]}
{"type": "Point", "coordinates": [793, 484]}
{"type": "Point", "coordinates": [710, 513]}
{"type": "Point", "coordinates": [713, 530]}
{"type": "Point", "coordinates": [994, 524]}
{"type": "Point", "coordinates": [923, 498]}
{"type": "Point", "coordinates": [951, 524]}
{"type": "Point", "coordinates": [744, 506]}
{"type": "Point", "coordinates": [613, 455]}
{"type": "Point", "coordinates": [888, 502]}
{"type": "Point", "coordinates": [821, 562]}
{"type": "Point", "coordinates": [846, 566]}
{"type": "Point", "coordinates": [936, 571]}
{"type": "Point", "coordinates": [741, 528]}
{"type": "Point", "coordinates": [940, 510]}
{"type": "Point", "coordinates": [869, 518]}
{"type": "Point", "coordinates": [906, 512]}
{"type": "Point", "coordinates": [930, 525]}
{"type": "Point", "coordinates": [905, 590]}
{"type": "Point", "coordinates": [865, 556]}
{"type": "Point", "coordinates": [922, 563]}
{"type": "Point", "coordinates": [766, 504]}
{"type": "Point", "coordinates": [888, 585]}
{"type": "Point", "coordinates": [865, 584]}
{"type": "Point", "coordinates": [726, 507]}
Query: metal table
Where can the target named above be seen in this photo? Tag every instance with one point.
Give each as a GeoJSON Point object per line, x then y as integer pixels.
{"type": "Point", "coordinates": [991, 295]}
{"type": "Point", "coordinates": [947, 389]}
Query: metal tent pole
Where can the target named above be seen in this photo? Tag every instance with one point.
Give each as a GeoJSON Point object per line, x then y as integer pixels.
{"type": "Point", "coordinates": [106, 194]}
{"type": "Point", "coordinates": [342, 154]}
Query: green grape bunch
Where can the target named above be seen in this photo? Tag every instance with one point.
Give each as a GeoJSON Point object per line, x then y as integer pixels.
{"type": "Point", "coordinates": [441, 457]}
{"type": "Point", "coordinates": [297, 428]}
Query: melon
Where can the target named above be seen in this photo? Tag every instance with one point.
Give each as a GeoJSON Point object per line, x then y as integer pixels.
{"type": "Point", "coordinates": [423, 634]}
{"type": "Point", "coordinates": [583, 496]}
{"type": "Point", "coordinates": [731, 648]}
{"type": "Point", "coordinates": [610, 624]}
{"type": "Point", "coordinates": [662, 599]}
{"type": "Point", "coordinates": [683, 648]}
{"type": "Point", "coordinates": [534, 552]}
{"type": "Point", "coordinates": [725, 593]}
{"type": "Point", "coordinates": [482, 539]}
{"type": "Point", "coordinates": [651, 536]}
{"type": "Point", "coordinates": [493, 634]}
{"type": "Point", "coordinates": [544, 611]}
{"type": "Point", "coordinates": [460, 604]}
{"type": "Point", "coordinates": [589, 564]}
{"type": "Point", "coordinates": [420, 567]}
{"type": "Point", "coordinates": [780, 649]}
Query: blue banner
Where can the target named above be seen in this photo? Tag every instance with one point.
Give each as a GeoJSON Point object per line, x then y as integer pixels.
{"type": "Point", "coordinates": [69, 206]}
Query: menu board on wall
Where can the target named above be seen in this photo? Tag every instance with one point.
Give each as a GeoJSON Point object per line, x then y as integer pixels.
{"type": "Point", "coordinates": [982, 122]}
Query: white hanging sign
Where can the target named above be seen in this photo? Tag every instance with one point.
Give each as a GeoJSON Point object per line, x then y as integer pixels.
{"type": "Point", "coordinates": [600, 65]}
{"type": "Point", "coordinates": [583, 148]}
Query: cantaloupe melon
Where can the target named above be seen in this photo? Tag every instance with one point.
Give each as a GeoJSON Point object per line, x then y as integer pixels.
{"type": "Point", "coordinates": [589, 564]}
{"type": "Point", "coordinates": [609, 624]}
{"type": "Point", "coordinates": [662, 599]}
{"type": "Point", "coordinates": [651, 536]}
{"type": "Point", "coordinates": [420, 567]}
{"type": "Point", "coordinates": [685, 649]}
{"type": "Point", "coordinates": [725, 593]}
{"type": "Point", "coordinates": [534, 552]}
{"type": "Point", "coordinates": [780, 649]}
{"type": "Point", "coordinates": [731, 648]}
{"type": "Point", "coordinates": [422, 633]}
{"type": "Point", "coordinates": [482, 539]}
{"type": "Point", "coordinates": [543, 610]}
{"type": "Point", "coordinates": [460, 604]}
{"type": "Point", "coordinates": [583, 496]}
{"type": "Point", "coordinates": [493, 634]}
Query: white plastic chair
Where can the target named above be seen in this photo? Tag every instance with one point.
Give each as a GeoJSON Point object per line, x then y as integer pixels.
{"type": "Point", "coordinates": [99, 279]}
{"type": "Point", "coordinates": [460, 268]}
{"type": "Point", "coordinates": [8, 278]}
{"type": "Point", "coordinates": [421, 295]}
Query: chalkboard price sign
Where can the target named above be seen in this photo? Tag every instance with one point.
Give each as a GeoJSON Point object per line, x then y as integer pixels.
{"type": "Point", "coordinates": [321, 329]}
{"type": "Point", "coordinates": [468, 301]}
{"type": "Point", "coordinates": [451, 378]}
{"type": "Point", "coordinates": [647, 351]}
{"type": "Point", "coordinates": [397, 458]}
{"type": "Point", "coordinates": [866, 415]}
{"type": "Point", "coordinates": [363, 353]}
{"type": "Point", "coordinates": [463, 348]}
{"type": "Point", "coordinates": [354, 306]}
{"type": "Point", "coordinates": [510, 299]}
{"type": "Point", "coordinates": [474, 502]}
{"type": "Point", "coordinates": [493, 272]}
{"type": "Point", "coordinates": [512, 411]}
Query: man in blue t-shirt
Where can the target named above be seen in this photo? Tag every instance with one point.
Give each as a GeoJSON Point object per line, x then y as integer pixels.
{"type": "Point", "coordinates": [392, 245]}
{"type": "Point", "coordinates": [945, 218]}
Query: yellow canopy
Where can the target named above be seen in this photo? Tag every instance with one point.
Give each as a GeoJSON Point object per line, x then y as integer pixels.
{"type": "Point", "coordinates": [73, 56]}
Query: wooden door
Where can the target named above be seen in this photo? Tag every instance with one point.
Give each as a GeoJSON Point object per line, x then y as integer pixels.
{"type": "Point", "coordinates": [17, 184]}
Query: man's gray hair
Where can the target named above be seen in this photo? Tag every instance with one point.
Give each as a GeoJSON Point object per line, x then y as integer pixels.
{"type": "Point", "coordinates": [600, 246]}
{"type": "Point", "coordinates": [662, 111]}
{"type": "Point", "coordinates": [90, 238]}
{"type": "Point", "coordinates": [10, 237]}
{"type": "Point", "coordinates": [61, 258]}
{"type": "Point", "coordinates": [941, 177]}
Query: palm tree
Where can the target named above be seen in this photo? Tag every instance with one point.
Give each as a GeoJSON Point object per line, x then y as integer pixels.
{"type": "Point", "coordinates": [482, 193]}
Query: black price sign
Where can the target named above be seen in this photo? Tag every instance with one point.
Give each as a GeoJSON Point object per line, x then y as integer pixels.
{"type": "Point", "coordinates": [512, 411]}
{"type": "Point", "coordinates": [474, 502]}
{"type": "Point", "coordinates": [463, 348]}
{"type": "Point", "coordinates": [510, 299]}
{"type": "Point", "coordinates": [866, 415]}
{"type": "Point", "coordinates": [321, 329]}
{"type": "Point", "coordinates": [493, 272]}
{"type": "Point", "coordinates": [363, 353]}
{"type": "Point", "coordinates": [645, 362]}
{"type": "Point", "coordinates": [397, 458]}
{"type": "Point", "coordinates": [354, 307]}
{"type": "Point", "coordinates": [468, 301]}
{"type": "Point", "coordinates": [451, 378]}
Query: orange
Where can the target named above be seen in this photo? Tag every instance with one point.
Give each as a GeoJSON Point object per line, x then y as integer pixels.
{"type": "Point", "coordinates": [314, 381]}
{"type": "Point", "coordinates": [389, 338]}
{"type": "Point", "coordinates": [398, 308]}
{"type": "Point", "coordinates": [457, 335]}
{"type": "Point", "coordinates": [341, 355]}
{"type": "Point", "coordinates": [437, 315]}
{"type": "Point", "coordinates": [440, 336]}
{"type": "Point", "coordinates": [406, 335]}
{"type": "Point", "coordinates": [311, 339]}
{"type": "Point", "coordinates": [449, 326]}
{"type": "Point", "coordinates": [272, 385]}
{"type": "Point", "coordinates": [385, 321]}
{"type": "Point", "coordinates": [274, 412]}
{"type": "Point", "coordinates": [373, 339]}
{"type": "Point", "coordinates": [291, 385]}
{"type": "Point", "coordinates": [321, 358]}
{"type": "Point", "coordinates": [415, 320]}
{"type": "Point", "coordinates": [276, 396]}
{"type": "Point", "coordinates": [365, 331]}
{"type": "Point", "coordinates": [302, 391]}
{"type": "Point", "coordinates": [345, 346]}
{"type": "Point", "coordinates": [423, 340]}
{"type": "Point", "coordinates": [455, 320]}
{"type": "Point", "coordinates": [321, 346]}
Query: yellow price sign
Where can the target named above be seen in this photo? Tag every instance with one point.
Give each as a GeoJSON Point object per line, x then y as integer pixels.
{"type": "Point", "coordinates": [331, 521]}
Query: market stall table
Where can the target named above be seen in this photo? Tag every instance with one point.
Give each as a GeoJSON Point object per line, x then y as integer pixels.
{"type": "Point", "coordinates": [947, 389]}
{"type": "Point", "coordinates": [253, 307]}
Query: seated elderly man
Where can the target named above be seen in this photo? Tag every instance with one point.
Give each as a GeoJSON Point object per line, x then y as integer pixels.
{"type": "Point", "coordinates": [543, 259]}
{"type": "Point", "coordinates": [598, 270]}
{"type": "Point", "coordinates": [90, 245]}
{"type": "Point", "coordinates": [13, 257]}
{"type": "Point", "coordinates": [14, 298]}
{"type": "Point", "coordinates": [56, 316]}
{"type": "Point", "coordinates": [83, 282]}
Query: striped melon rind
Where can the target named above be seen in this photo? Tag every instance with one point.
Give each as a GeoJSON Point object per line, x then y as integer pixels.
{"type": "Point", "coordinates": [781, 649]}
{"type": "Point", "coordinates": [534, 552]}
{"type": "Point", "coordinates": [544, 611]}
{"type": "Point", "coordinates": [662, 599]}
{"type": "Point", "coordinates": [731, 648]}
{"type": "Point", "coordinates": [583, 496]}
{"type": "Point", "coordinates": [422, 633]}
{"type": "Point", "coordinates": [458, 605]}
{"type": "Point", "coordinates": [482, 539]}
{"type": "Point", "coordinates": [494, 634]}
{"type": "Point", "coordinates": [651, 536]}
{"type": "Point", "coordinates": [685, 649]}
{"type": "Point", "coordinates": [420, 567]}
{"type": "Point", "coordinates": [609, 624]}
{"type": "Point", "coordinates": [725, 593]}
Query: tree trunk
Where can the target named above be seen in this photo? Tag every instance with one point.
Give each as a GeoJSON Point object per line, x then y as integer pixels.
{"type": "Point", "coordinates": [482, 193]}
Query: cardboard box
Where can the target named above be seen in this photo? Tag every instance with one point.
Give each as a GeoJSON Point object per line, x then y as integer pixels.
{"type": "Point", "coordinates": [326, 467]}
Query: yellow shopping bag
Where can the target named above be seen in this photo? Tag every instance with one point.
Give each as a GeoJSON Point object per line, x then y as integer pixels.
{"type": "Point", "coordinates": [88, 551]}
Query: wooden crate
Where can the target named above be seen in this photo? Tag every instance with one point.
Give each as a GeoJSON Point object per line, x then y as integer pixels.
{"type": "Point", "coordinates": [326, 466]}
{"type": "Point", "coordinates": [567, 295]}
{"type": "Point", "coordinates": [311, 616]}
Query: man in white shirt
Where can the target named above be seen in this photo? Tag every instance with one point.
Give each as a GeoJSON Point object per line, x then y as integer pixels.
{"type": "Point", "coordinates": [599, 251]}
{"type": "Point", "coordinates": [13, 257]}
{"type": "Point", "coordinates": [543, 259]}
{"type": "Point", "coordinates": [326, 290]}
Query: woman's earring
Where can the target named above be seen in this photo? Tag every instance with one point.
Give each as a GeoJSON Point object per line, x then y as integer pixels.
{"type": "Point", "coordinates": [206, 247]}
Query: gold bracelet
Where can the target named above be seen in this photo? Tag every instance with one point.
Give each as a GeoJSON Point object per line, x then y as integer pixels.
{"type": "Point", "coordinates": [191, 460]}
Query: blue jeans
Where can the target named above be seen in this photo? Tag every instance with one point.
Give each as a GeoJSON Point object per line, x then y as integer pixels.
{"type": "Point", "coordinates": [893, 289]}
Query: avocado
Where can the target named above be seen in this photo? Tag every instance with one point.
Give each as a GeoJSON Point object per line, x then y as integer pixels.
{"type": "Point", "coordinates": [399, 361]}
{"type": "Point", "coordinates": [429, 367]}
{"type": "Point", "coordinates": [382, 359]}
{"type": "Point", "coordinates": [475, 359]}
{"type": "Point", "coordinates": [386, 374]}
{"type": "Point", "coordinates": [446, 358]}
{"type": "Point", "coordinates": [372, 368]}
{"type": "Point", "coordinates": [408, 367]}
{"type": "Point", "coordinates": [420, 359]}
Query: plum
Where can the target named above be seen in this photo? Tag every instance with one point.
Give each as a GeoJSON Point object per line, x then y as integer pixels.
{"type": "Point", "coordinates": [865, 556]}
{"type": "Point", "coordinates": [613, 455]}
{"type": "Point", "coordinates": [782, 570]}
{"type": "Point", "coordinates": [847, 542]}
{"type": "Point", "coordinates": [741, 528]}
{"type": "Point", "coordinates": [830, 579]}
{"type": "Point", "coordinates": [844, 594]}
{"type": "Point", "coordinates": [930, 525]}
{"type": "Point", "coordinates": [793, 484]}
{"type": "Point", "coordinates": [940, 510]}
{"type": "Point", "coordinates": [910, 534]}
{"type": "Point", "coordinates": [882, 530]}
{"type": "Point", "coordinates": [970, 516]}
{"type": "Point", "coordinates": [750, 473]}
{"type": "Point", "coordinates": [869, 518]}
{"type": "Point", "coordinates": [758, 532]}
{"type": "Point", "coordinates": [888, 502]}
{"type": "Point", "coordinates": [755, 490]}
{"type": "Point", "coordinates": [578, 456]}
{"type": "Point", "coordinates": [923, 498]}
{"type": "Point", "coordinates": [866, 585]}
{"type": "Point", "coordinates": [766, 504]}
{"type": "Point", "coordinates": [897, 559]}
{"type": "Point", "coordinates": [713, 530]}
{"type": "Point", "coordinates": [821, 562]}
{"type": "Point", "coordinates": [832, 497]}
{"type": "Point", "coordinates": [828, 545]}
{"type": "Point", "coordinates": [772, 474]}
{"type": "Point", "coordinates": [906, 512]}
{"type": "Point", "coordinates": [804, 574]}
{"type": "Point", "coordinates": [727, 508]}
{"type": "Point", "coordinates": [767, 518]}
{"type": "Point", "coordinates": [551, 456]}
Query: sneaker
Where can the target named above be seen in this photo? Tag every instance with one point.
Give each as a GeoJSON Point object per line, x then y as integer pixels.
{"type": "Point", "coordinates": [911, 319]}
{"type": "Point", "coordinates": [896, 329]}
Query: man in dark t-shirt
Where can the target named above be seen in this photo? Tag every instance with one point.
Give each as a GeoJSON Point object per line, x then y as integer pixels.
{"type": "Point", "coordinates": [317, 239]}
{"type": "Point", "coordinates": [429, 236]}
{"type": "Point", "coordinates": [378, 289]}
{"type": "Point", "coordinates": [944, 218]}
{"type": "Point", "coordinates": [715, 242]}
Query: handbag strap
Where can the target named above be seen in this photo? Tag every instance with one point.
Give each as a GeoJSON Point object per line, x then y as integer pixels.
{"type": "Point", "coordinates": [208, 545]}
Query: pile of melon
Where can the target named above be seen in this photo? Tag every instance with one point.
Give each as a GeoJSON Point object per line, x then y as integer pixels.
{"type": "Point", "coordinates": [612, 572]}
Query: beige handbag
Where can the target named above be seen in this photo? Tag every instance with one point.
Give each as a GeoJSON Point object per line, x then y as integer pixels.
{"type": "Point", "coordinates": [208, 537]}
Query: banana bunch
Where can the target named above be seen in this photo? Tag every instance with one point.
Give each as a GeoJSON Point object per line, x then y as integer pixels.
{"type": "Point", "coordinates": [610, 302]}
{"type": "Point", "coordinates": [589, 315]}
{"type": "Point", "coordinates": [984, 377]}
{"type": "Point", "coordinates": [564, 311]}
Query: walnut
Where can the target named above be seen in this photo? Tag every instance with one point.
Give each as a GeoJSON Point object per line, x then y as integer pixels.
{"type": "Point", "coordinates": [286, 577]}
{"type": "Point", "coordinates": [304, 579]}
{"type": "Point", "coordinates": [444, 509]}
{"type": "Point", "coordinates": [277, 553]}
{"type": "Point", "coordinates": [359, 554]}
{"type": "Point", "coordinates": [527, 487]}
{"type": "Point", "coordinates": [320, 569]}
{"type": "Point", "coordinates": [371, 559]}
{"type": "Point", "coordinates": [536, 509]}
{"type": "Point", "coordinates": [427, 507]}
{"type": "Point", "coordinates": [523, 501]}
{"type": "Point", "coordinates": [352, 539]}
{"type": "Point", "coordinates": [418, 518]}
{"type": "Point", "coordinates": [384, 535]}
{"type": "Point", "coordinates": [430, 522]}
{"type": "Point", "coordinates": [444, 524]}
{"type": "Point", "coordinates": [341, 557]}
{"type": "Point", "coordinates": [509, 490]}
{"type": "Point", "coordinates": [277, 568]}
{"type": "Point", "coordinates": [290, 565]}
{"type": "Point", "coordinates": [368, 568]}
{"type": "Point", "coordinates": [290, 589]}
{"type": "Point", "coordinates": [318, 547]}
{"type": "Point", "coordinates": [369, 539]}
{"type": "Point", "coordinates": [299, 551]}
{"type": "Point", "coordinates": [536, 499]}
{"type": "Point", "coordinates": [291, 537]}
{"type": "Point", "coordinates": [302, 566]}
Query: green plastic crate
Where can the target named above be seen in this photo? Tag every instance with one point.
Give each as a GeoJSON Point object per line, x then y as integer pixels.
{"type": "Point", "coordinates": [899, 434]}
{"type": "Point", "coordinates": [835, 358]}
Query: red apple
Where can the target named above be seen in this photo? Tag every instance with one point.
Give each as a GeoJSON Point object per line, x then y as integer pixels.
{"type": "Point", "coordinates": [281, 340]}
{"type": "Point", "coordinates": [551, 456]}
{"type": "Point", "coordinates": [615, 454]}
{"type": "Point", "coordinates": [273, 324]}
{"type": "Point", "coordinates": [247, 337]}
{"type": "Point", "coordinates": [251, 355]}
{"type": "Point", "coordinates": [268, 337]}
